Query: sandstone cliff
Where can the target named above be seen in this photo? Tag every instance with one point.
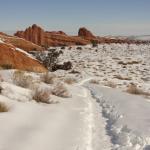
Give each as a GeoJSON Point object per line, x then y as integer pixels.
{"type": "Point", "coordinates": [18, 59]}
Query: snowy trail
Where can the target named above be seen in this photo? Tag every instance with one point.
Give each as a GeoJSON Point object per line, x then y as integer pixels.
{"type": "Point", "coordinates": [74, 124]}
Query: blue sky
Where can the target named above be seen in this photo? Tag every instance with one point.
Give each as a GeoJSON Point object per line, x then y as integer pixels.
{"type": "Point", "coordinates": [103, 17]}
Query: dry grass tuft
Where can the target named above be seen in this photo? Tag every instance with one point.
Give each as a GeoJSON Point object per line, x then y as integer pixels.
{"type": "Point", "coordinates": [1, 79]}
{"type": "Point", "coordinates": [129, 62]}
{"type": "Point", "coordinates": [3, 107]}
{"type": "Point", "coordinates": [70, 80]}
{"type": "Point", "coordinates": [20, 79]}
{"type": "Point", "coordinates": [122, 78]}
{"type": "Point", "coordinates": [42, 95]}
{"type": "Point", "coordinates": [110, 84]}
{"type": "Point", "coordinates": [1, 89]}
{"type": "Point", "coordinates": [61, 91]}
{"type": "Point", "coordinates": [48, 78]}
{"type": "Point", "coordinates": [94, 81]}
{"type": "Point", "coordinates": [133, 89]}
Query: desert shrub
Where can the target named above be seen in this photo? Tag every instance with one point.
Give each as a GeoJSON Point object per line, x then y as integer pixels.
{"type": "Point", "coordinates": [94, 81]}
{"type": "Point", "coordinates": [1, 79]}
{"type": "Point", "coordinates": [110, 84]}
{"type": "Point", "coordinates": [63, 47]}
{"type": "Point", "coordinates": [1, 89]}
{"type": "Point", "coordinates": [21, 79]}
{"type": "Point", "coordinates": [133, 89]}
{"type": "Point", "coordinates": [42, 95]}
{"type": "Point", "coordinates": [74, 72]}
{"type": "Point", "coordinates": [70, 80]}
{"type": "Point", "coordinates": [61, 91]}
{"type": "Point", "coordinates": [49, 60]}
{"type": "Point", "coordinates": [94, 43]}
{"type": "Point", "coordinates": [48, 78]}
{"type": "Point", "coordinates": [129, 62]}
{"type": "Point", "coordinates": [64, 66]}
{"type": "Point", "coordinates": [3, 107]}
{"type": "Point", "coordinates": [122, 78]}
{"type": "Point", "coordinates": [7, 66]}
{"type": "Point", "coordinates": [79, 48]}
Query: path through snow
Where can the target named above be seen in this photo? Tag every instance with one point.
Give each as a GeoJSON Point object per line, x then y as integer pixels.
{"type": "Point", "coordinates": [72, 124]}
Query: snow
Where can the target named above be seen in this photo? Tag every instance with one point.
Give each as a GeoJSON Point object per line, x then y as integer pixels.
{"type": "Point", "coordinates": [30, 125]}
{"type": "Point", "coordinates": [1, 41]}
{"type": "Point", "coordinates": [22, 51]}
{"type": "Point", "coordinates": [128, 122]}
{"type": "Point", "coordinates": [95, 117]}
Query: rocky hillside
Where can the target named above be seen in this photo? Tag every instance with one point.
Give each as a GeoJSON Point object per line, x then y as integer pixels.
{"type": "Point", "coordinates": [13, 57]}
{"type": "Point", "coordinates": [20, 42]}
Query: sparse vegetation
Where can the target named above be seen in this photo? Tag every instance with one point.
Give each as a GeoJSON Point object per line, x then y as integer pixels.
{"type": "Point", "coordinates": [49, 60]}
{"type": "Point", "coordinates": [133, 89]}
{"type": "Point", "coordinates": [94, 43]}
{"type": "Point", "coordinates": [129, 62]}
{"type": "Point", "coordinates": [94, 81]}
{"type": "Point", "coordinates": [74, 72]}
{"type": "Point", "coordinates": [1, 79]}
{"type": "Point", "coordinates": [3, 107]}
{"type": "Point", "coordinates": [79, 48]}
{"type": "Point", "coordinates": [48, 78]}
{"type": "Point", "coordinates": [122, 78]}
{"type": "Point", "coordinates": [110, 84]}
{"type": "Point", "coordinates": [42, 95]}
{"type": "Point", "coordinates": [6, 66]}
{"type": "Point", "coordinates": [70, 80]}
{"type": "Point", "coordinates": [21, 79]}
{"type": "Point", "coordinates": [61, 91]}
{"type": "Point", "coordinates": [1, 89]}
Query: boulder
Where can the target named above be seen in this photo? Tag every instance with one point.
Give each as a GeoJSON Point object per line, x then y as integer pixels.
{"type": "Point", "coordinates": [85, 33]}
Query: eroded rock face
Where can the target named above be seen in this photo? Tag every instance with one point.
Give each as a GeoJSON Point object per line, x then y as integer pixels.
{"type": "Point", "coordinates": [38, 36]}
{"type": "Point", "coordinates": [10, 56]}
{"type": "Point", "coordinates": [46, 39]}
{"type": "Point", "coordinates": [34, 34]}
{"type": "Point", "coordinates": [20, 43]}
{"type": "Point", "coordinates": [85, 33]}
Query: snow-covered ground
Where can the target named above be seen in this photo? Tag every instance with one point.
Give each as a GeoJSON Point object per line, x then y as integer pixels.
{"type": "Point", "coordinates": [142, 37]}
{"type": "Point", "coordinates": [98, 115]}
{"type": "Point", "coordinates": [70, 123]}
{"type": "Point", "coordinates": [127, 117]}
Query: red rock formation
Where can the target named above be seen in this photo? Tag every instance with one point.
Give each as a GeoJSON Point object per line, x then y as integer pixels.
{"type": "Point", "coordinates": [37, 35]}
{"type": "Point", "coordinates": [86, 34]}
{"type": "Point", "coordinates": [57, 39]}
{"type": "Point", "coordinates": [34, 34]}
{"type": "Point", "coordinates": [18, 60]}
{"type": "Point", "coordinates": [20, 43]}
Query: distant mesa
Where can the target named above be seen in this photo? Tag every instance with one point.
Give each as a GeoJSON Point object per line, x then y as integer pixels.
{"type": "Point", "coordinates": [43, 38]}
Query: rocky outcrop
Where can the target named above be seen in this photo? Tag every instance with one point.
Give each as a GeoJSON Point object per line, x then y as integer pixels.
{"type": "Point", "coordinates": [34, 34]}
{"type": "Point", "coordinates": [42, 38]}
{"type": "Point", "coordinates": [20, 43]}
{"type": "Point", "coordinates": [46, 39]}
{"type": "Point", "coordinates": [86, 34]}
{"type": "Point", "coordinates": [15, 58]}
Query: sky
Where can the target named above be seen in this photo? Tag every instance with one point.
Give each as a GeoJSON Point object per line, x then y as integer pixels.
{"type": "Point", "coordinates": [102, 17]}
